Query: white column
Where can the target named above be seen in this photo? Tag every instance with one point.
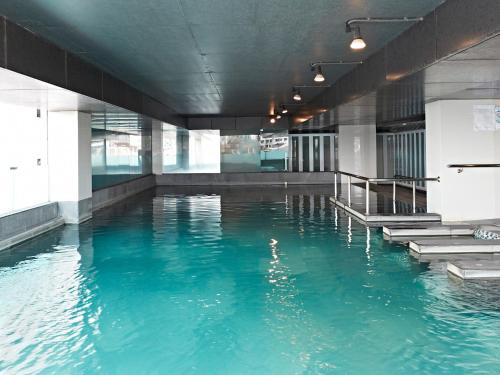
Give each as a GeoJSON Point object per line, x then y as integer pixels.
{"type": "Point", "coordinates": [452, 138]}
{"type": "Point", "coordinates": [358, 149]}
{"type": "Point", "coordinates": [157, 147]}
{"type": "Point", "coordinates": [70, 168]}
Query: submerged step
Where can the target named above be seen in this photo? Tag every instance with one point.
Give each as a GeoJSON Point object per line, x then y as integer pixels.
{"type": "Point", "coordinates": [475, 269]}
{"type": "Point", "coordinates": [454, 246]}
{"type": "Point", "coordinates": [428, 231]}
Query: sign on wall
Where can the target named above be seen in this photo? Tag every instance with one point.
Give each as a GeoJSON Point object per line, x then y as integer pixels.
{"type": "Point", "coordinates": [486, 117]}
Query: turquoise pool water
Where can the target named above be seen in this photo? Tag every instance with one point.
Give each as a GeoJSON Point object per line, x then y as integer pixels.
{"type": "Point", "coordinates": [229, 283]}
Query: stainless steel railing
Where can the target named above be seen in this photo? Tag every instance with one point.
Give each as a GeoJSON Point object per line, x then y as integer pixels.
{"type": "Point", "coordinates": [369, 180]}
{"type": "Point", "coordinates": [461, 167]}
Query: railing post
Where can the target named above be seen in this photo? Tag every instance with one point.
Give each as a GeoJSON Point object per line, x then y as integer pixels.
{"type": "Point", "coordinates": [335, 179]}
{"type": "Point", "coordinates": [414, 200]}
{"type": "Point", "coordinates": [349, 191]}
{"type": "Point", "coordinates": [394, 197]}
{"type": "Point", "coordinates": [367, 198]}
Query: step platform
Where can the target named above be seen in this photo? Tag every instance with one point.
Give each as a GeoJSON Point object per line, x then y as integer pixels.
{"type": "Point", "coordinates": [455, 246]}
{"type": "Point", "coordinates": [475, 269]}
{"type": "Point", "coordinates": [435, 230]}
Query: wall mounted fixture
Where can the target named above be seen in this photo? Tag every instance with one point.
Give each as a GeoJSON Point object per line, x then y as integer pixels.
{"type": "Point", "coordinates": [316, 67]}
{"type": "Point", "coordinates": [352, 26]}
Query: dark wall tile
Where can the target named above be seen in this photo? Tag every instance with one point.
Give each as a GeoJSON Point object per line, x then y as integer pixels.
{"type": "Point", "coordinates": [83, 77]}
{"type": "Point", "coordinates": [121, 94]}
{"type": "Point", "coordinates": [413, 50]}
{"type": "Point", "coordinates": [464, 23]}
{"type": "Point", "coordinates": [31, 55]}
{"type": "Point", "coordinates": [199, 123]}
{"type": "Point", "coordinates": [2, 42]}
{"type": "Point", "coordinates": [224, 123]}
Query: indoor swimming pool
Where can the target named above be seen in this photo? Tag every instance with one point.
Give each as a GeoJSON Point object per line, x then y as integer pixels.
{"type": "Point", "coordinates": [271, 281]}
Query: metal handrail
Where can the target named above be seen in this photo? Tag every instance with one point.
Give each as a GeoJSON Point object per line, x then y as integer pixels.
{"type": "Point", "coordinates": [472, 165]}
{"type": "Point", "coordinates": [369, 180]}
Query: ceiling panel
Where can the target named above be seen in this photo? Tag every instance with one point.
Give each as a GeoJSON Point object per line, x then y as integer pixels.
{"type": "Point", "coordinates": [255, 51]}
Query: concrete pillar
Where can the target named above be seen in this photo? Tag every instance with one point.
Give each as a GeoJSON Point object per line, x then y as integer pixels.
{"type": "Point", "coordinates": [70, 168]}
{"type": "Point", "coordinates": [357, 149]}
{"type": "Point", "coordinates": [157, 146]}
{"type": "Point", "coordinates": [454, 137]}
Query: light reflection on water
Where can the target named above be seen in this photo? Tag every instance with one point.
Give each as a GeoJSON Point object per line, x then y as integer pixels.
{"type": "Point", "coordinates": [227, 283]}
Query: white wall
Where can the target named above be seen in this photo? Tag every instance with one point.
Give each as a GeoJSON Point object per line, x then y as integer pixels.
{"type": "Point", "coordinates": [70, 172]}
{"type": "Point", "coordinates": [451, 139]}
{"type": "Point", "coordinates": [23, 146]}
{"type": "Point", "coordinates": [357, 149]}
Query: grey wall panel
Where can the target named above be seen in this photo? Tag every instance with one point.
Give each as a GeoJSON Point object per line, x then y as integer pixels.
{"type": "Point", "coordinates": [197, 123]}
{"type": "Point", "coordinates": [224, 123]}
{"type": "Point", "coordinates": [31, 55]}
{"type": "Point", "coordinates": [83, 77]}
{"type": "Point", "coordinates": [119, 93]}
{"type": "Point", "coordinates": [235, 179]}
{"type": "Point", "coordinates": [153, 108]}
{"type": "Point", "coordinates": [249, 122]}
{"type": "Point", "coordinates": [413, 50]}
{"type": "Point", "coordinates": [464, 23]}
{"type": "Point", "coordinates": [2, 42]}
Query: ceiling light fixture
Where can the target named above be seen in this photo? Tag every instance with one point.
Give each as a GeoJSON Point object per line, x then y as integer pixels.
{"type": "Point", "coordinates": [358, 42]}
{"type": "Point", "coordinates": [318, 77]}
{"type": "Point", "coordinates": [284, 110]}
{"type": "Point", "coordinates": [317, 67]}
{"type": "Point", "coordinates": [278, 117]}
{"type": "Point", "coordinates": [272, 120]}
{"type": "Point", "coordinates": [352, 26]}
{"type": "Point", "coordinates": [296, 95]}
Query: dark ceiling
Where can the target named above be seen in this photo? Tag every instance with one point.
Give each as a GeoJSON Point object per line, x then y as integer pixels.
{"type": "Point", "coordinates": [224, 57]}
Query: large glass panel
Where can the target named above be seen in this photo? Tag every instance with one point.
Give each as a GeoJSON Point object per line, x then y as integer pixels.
{"type": "Point", "coordinates": [295, 154]}
{"type": "Point", "coordinates": [305, 154]}
{"type": "Point", "coordinates": [190, 151]}
{"type": "Point", "coordinates": [327, 153]}
{"type": "Point", "coordinates": [240, 153]}
{"type": "Point", "coordinates": [316, 154]}
{"type": "Point", "coordinates": [23, 157]}
{"type": "Point", "coordinates": [121, 148]}
{"type": "Point", "coordinates": [273, 151]}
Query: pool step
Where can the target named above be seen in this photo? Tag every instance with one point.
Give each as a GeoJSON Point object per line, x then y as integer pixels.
{"type": "Point", "coordinates": [428, 231]}
{"type": "Point", "coordinates": [475, 269]}
{"type": "Point", "coordinates": [455, 246]}
{"type": "Point", "coordinates": [381, 218]}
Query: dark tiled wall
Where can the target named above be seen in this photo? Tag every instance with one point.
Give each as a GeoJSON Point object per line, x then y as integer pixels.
{"type": "Point", "coordinates": [452, 27]}
{"type": "Point", "coordinates": [27, 53]}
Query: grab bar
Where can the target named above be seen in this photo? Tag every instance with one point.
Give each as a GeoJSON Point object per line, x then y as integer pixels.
{"type": "Point", "coordinates": [472, 165]}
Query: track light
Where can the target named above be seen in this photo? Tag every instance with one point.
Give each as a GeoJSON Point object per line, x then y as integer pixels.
{"type": "Point", "coordinates": [284, 110]}
{"type": "Point", "coordinates": [319, 77]}
{"type": "Point", "coordinates": [357, 42]}
{"type": "Point", "coordinates": [278, 117]}
{"type": "Point", "coordinates": [296, 95]}
{"type": "Point", "coordinates": [272, 120]}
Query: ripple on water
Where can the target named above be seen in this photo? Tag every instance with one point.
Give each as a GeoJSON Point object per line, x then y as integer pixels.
{"type": "Point", "coordinates": [199, 284]}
